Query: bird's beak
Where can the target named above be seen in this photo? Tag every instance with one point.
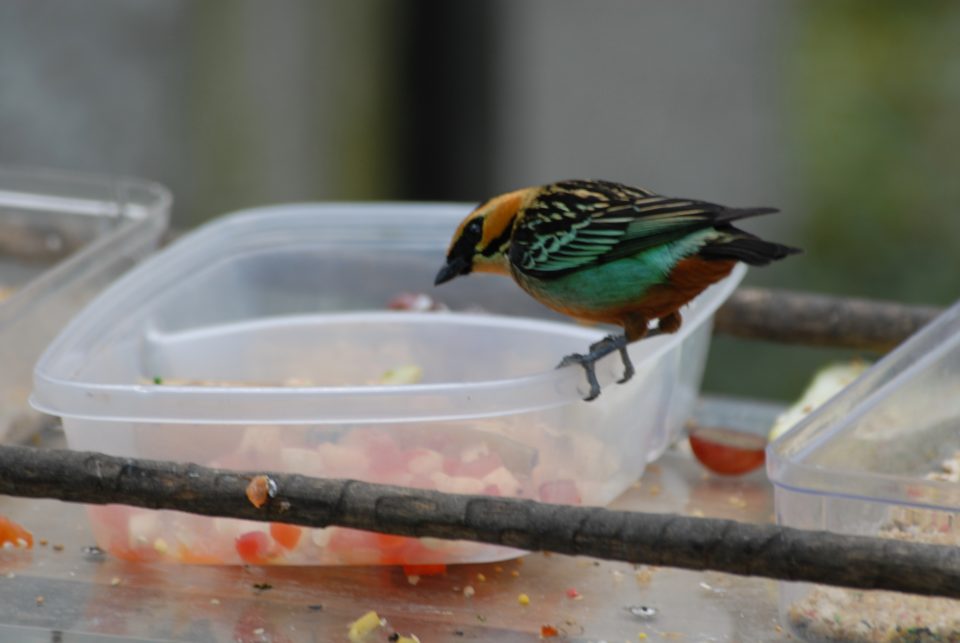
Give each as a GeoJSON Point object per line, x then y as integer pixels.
{"type": "Point", "coordinates": [454, 268]}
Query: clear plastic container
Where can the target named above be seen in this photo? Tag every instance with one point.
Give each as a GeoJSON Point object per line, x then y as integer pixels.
{"type": "Point", "coordinates": [63, 238]}
{"type": "Point", "coordinates": [269, 332]}
{"type": "Point", "coordinates": [879, 459]}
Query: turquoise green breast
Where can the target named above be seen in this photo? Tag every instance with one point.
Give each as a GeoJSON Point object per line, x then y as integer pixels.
{"type": "Point", "coordinates": [614, 284]}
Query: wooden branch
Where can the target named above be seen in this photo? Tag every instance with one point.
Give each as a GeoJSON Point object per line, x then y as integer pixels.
{"type": "Point", "coordinates": [654, 539]}
{"type": "Point", "coordinates": [819, 320]}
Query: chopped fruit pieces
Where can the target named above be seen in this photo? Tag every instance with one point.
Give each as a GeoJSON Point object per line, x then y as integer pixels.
{"type": "Point", "coordinates": [727, 452]}
{"type": "Point", "coordinates": [424, 570]}
{"type": "Point", "coordinates": [13, 535]}
{"type": "Point", "coordinates": [470, 462]}
{"type": "Point", "coordinates": [361, 628]}
{"type": "Point", "coordinates": [548, 632]}
{"type": "Point", "coordinates": [253, 547]}
{"type": "Point", "coordinates": [409, 374]}
{"type": "Point", "coordinates": [287, 536]}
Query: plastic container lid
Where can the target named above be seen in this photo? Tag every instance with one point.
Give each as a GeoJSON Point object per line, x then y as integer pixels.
{"type": "Point", "coordinates": [878, 438]}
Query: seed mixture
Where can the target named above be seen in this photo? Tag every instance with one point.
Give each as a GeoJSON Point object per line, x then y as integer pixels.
{"type": "Point", "coordinates": [834, 614]}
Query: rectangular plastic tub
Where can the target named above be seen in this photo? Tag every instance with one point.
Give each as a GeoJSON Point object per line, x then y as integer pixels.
{"type": "Point", "coordinates": [879, 459]}
{"type": "Point", "coordinates": [63, 238]}
{"type": "Point", "coordinates": [269, 336]}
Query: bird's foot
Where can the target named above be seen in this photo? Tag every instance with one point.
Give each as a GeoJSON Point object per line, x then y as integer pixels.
{"type": "Point", "coordinates": [588, 364]}
{"type": "Point", "coordinates": [598, 351]}
{"type": "Point", "coordinates": [612, 343]}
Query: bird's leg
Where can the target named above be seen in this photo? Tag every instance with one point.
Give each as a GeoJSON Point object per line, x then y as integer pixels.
{"type": "Point", "coordinates": [634, 330]}
{"type": "Point", "coordinates": [597, 351]}
{"type": "Point", "coordinates": [612, 343]}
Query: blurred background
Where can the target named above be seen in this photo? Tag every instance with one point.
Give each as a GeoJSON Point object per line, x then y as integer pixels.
{"type": "Point", "coordinates": [842, 114]}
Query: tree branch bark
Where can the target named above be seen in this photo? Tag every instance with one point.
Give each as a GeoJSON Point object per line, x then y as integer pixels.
{"type": "Point", "coordinates": [819, 320]}
{"type": "Point", "coordinates": [654, 539]}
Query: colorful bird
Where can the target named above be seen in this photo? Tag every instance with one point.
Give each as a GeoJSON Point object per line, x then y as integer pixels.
{"type": "Point", "coordinates": [609, 253]}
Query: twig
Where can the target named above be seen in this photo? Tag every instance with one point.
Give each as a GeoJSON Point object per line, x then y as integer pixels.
{"type": "Point", "coordinates": [819, 320]}
{"type": "Point", "coordinates": [655, 539]}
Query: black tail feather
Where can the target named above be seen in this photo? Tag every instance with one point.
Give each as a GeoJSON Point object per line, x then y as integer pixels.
{"type": "Point", "coordinates": [745, 247]}
{"type": "Point", "coordinates": [727, 215]}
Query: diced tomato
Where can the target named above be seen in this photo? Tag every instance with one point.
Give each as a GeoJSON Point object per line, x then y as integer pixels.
{"type": "Point", "coordinates": [253, 547]}
{"type": "Point", "coordinates": [425, 570]}
{"type": "Point", "coordinates": [287, 536]}
{"type": "Point", "coordinates": [727, 452]}
{"type": "Point", "coordinates": [15, 534]}
{"type": "Point", "coordinates": [563, 492]}
{"type": "Point", "coordinates": [393, 548]}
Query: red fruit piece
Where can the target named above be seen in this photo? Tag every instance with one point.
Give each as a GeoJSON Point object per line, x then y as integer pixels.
{"type": "Point", "coordinates": [425, 570]}
{"type": "Point", "coordinates": [548, 632]}
{"type": "Point", "coordinates": [13, 533]}
{"type": "Point", "coordinates": [727, 452]}
{"type": "Point", "coordinates": [253, 547]}
{"type": "Point", "coordinates": [287, 536]}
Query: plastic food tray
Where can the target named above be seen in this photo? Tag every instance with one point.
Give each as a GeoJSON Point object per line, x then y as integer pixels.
{"type": "Point", "coordinates": [871, 462]}
{"type": "Point", "coordinates": [63, 238]}
{"type": "Point", "coordinates": [268, 332]}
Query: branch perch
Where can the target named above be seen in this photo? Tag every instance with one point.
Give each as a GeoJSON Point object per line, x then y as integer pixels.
{"type": "Point", "coordinates": [819, 320]}
{"type": "Point", "coordinates": [654, 539]}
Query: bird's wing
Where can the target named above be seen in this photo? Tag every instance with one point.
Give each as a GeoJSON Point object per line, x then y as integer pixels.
{"type": "Point", "coordinates": [562, 232]}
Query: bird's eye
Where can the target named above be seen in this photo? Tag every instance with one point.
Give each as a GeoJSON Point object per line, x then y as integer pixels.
{"type": "Point", "coordinates": [475, 227]}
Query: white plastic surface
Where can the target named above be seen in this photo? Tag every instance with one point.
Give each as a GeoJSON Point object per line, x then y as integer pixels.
{"type": "Point", "coordinates": [296, 295]}
{"type": "Point", "coordinates": [63, 238]}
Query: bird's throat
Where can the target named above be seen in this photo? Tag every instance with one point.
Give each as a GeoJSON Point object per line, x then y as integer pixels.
{"type": "Point", "coordinates": [496, 264]}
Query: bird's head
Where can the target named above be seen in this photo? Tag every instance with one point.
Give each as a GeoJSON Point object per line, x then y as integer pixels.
{"type": "Point", "coordinates": [482, 241]}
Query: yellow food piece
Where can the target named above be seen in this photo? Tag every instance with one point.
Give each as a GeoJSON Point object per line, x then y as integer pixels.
{"type": "Point", "coordinates": [408, 374]}
{"type": "Point", "coordinates": [361, 628]}
{"type": "Point", "coordinates": [825, 384]}
{"type": "Point", "coordinates": [523, 599]}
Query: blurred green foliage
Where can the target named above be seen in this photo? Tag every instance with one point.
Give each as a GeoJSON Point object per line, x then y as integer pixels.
{"type": "Point", "coordinates": [873, 115]}
{"type": "Point", "coordinates": [874, 104]}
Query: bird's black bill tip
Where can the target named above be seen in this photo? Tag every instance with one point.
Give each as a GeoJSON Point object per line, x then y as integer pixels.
{"type": "Point", "coordinates": [453, 268]}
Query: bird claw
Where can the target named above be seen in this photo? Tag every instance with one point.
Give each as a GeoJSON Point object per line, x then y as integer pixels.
{"type": "Point", "coordinates": [597, 351]}
{"type": "Point", "coordinates": [587, 362]}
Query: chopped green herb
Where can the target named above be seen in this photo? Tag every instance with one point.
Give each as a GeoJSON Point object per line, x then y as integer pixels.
{"type": "Point", "coordinates": [157, 380]}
